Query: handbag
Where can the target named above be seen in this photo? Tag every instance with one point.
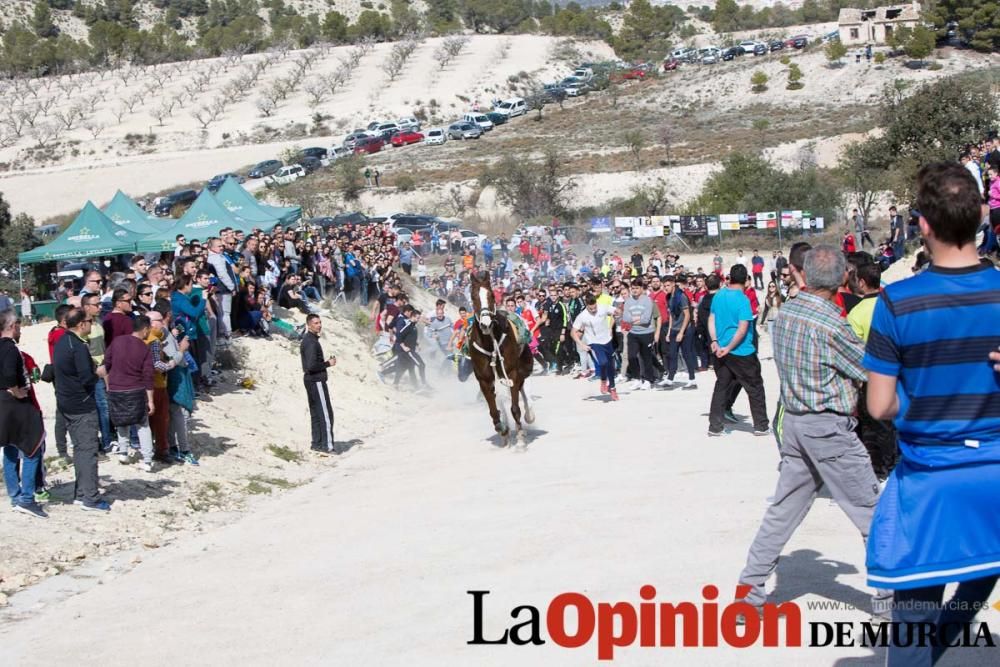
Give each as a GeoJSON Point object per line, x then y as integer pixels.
{"type": "Point", "coordinates": [48, 373]}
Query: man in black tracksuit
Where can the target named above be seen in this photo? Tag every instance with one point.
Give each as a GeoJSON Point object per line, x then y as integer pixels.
{"type": "Point", "coordinates": [553, 333]}
{"type": "Point", "coordinates": [314, 374]}
{"type": "Point", "coordinates": [406, 348]}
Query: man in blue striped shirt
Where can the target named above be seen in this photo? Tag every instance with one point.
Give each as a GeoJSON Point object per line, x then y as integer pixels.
{"type": "Point", "coordinates": [927, 356]}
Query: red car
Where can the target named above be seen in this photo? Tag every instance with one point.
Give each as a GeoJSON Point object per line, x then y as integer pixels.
{"type": "Point", "coordinates": [670, 64]}
{"type": "Point", "coordinates": [368, 145]}
{"type": "Point", "coordinates": [405, 138]}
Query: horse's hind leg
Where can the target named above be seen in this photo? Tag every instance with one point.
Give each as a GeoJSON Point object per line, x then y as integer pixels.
{"type": "Point", "coordinates": [515, 410]}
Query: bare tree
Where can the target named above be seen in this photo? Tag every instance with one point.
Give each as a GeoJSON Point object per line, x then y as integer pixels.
{"type": "Point", "coordinates": [217, 108]}
{"type": "Point", "coordinates": [94, 128]}
{"type": "Point", "coordinates": [131, 101]}
{"type": "Point", "coordinates": [16, 123]}
{"type": "Point", "coordinates": [450, 49]}
{"type": "Point", "coordinates": [119, 112]}
{"type": "Point", "coordinates": [275, 92]}
{"type": "Point", "coordinates": [399, 54]}
{"type": "Point", "coordinates": [29, 114]}
{"type": "Point", "coordinates": [316, 92]}
{"type": "Point", "coordinates": [44, 134]}
{"type": "Point", "coordinates": [67, 117]}
{"type": "Point", "coordinates": [266, 106]}
{"type": "Point", "coordinates": [203, 116]}
{"type": "Point", "coordinates": [7, 138]}
{"type": "Point", "coordinates": [45, 104]}
{"type": "Point", "coordinates": [159, 113]}
{"type": "Point", "coordinates": [666, 134]}
{"type": "Point", "coordinates": [635, 141]}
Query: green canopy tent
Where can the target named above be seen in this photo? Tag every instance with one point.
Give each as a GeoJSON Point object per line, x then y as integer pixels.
{"type": "Point", "coordinates": [91, 234]}
{"type": "Point", "coordinates": [206, 218]}
{"type": "Point", "coordinates": [126, 213]}
{"type": "Point", "coordinates": [237, 200]}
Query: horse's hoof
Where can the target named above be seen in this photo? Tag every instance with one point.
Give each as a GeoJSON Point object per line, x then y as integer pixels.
{"type": "Point", "coordinates": [529, 416]}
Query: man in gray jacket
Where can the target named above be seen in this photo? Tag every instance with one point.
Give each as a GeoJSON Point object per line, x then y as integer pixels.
{"type": "Point", "coordinates": [640, 318]}
{"type": "Point", "coordinates": [224, 288]}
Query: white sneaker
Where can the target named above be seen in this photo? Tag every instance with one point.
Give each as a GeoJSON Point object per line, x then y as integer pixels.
{"type": "Point", "coordinates": [147, 466]}
{"type": "Point", "coordinates": [123, 459]}
{"type": "Point", "coordinates": [665, 382]}
{"type": "Point", "coordinates": [690, 384]}
{"type": "Point", "coordinates": [643, 386]}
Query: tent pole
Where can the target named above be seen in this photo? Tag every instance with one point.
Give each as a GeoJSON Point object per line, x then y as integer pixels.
{"type": "Point", "coordinates": [20, 281]}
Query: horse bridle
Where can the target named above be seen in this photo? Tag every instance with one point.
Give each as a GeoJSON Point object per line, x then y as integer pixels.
{"type": "Point", "coordinates": [485, 318]}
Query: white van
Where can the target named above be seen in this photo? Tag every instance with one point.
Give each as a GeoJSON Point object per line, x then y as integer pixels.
{"type": "Point", "coordinates": [286, 175]}
{"type": "Point", "coordinates": [480, 119]}
{"type": "Point", "coordinates": [515, 106]}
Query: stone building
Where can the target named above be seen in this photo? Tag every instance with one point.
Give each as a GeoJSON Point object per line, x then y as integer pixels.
{"type": "Point", "coordinates": [858, 27]}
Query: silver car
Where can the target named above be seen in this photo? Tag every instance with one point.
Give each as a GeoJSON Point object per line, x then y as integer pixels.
{"type": "Point", "coordinates": [464, 130]}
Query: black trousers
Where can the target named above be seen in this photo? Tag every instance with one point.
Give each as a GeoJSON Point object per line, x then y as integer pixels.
{"type": "Point", "coordinates": [320, 414]}
{"type": "Point", "coordinates": [758, 280]}
{"type": "Point", "coordinates": [406, 362]}
{"type": "Point", "coordinates": [919, 606]}
{"type": "Point", "coordinates": [743, 371]}
{"type": "Point", "coordinates": [686, 348]}
{"type": "Point", "coordinates": [83, 429]}
{"type": "Point", "coordinates": [640, 351]}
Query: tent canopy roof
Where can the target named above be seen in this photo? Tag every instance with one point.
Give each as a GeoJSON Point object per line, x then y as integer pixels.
{"type": "Point", "coordinates": [237, 200]}
{"type": "Point", "coordinates": [90, 234]}
{"type": "Point", "coordinates": [125, 212]}
{"type": "Point", "coordinates": [206, 218]}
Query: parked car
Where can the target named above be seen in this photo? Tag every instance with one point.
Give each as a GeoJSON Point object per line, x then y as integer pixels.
{"type": "Point", "coordinates": [316, 152]}
{"type": "Point", "coordinates": [748, 45]}
{"type": "Point", "coordinates": [733, 52]}
{"type": "Point", "coordinates": [351, 140]}
{"type": "Point", "coordinates": [670, 64]}
{"type": "Point", "coordinates": [515, 106]}
{"type": "Point", "coordinates": [310, 163]}
{"type": "Point", "coordinates": [554, 92]}
{"type": "Point", "coordinates": [386, 130]}
{"type": "Point", "coordinates": [337, 152]}
{"type": "Point", "coordinates": [634, 73]}
{"type": "Point", "coordinates": [265, 168]}
{"type": "Point", "coordinates": [406, 138]}
{"type": "Point", "coordinates": [464, 130]}
{"type": "Point", "coordinates": [684, 53]}
{"type": "Point", "coordinates": [435, 137]}
{"type": "Point", "coordinates": [572, 86]}
{"type": "Point", "coordinates": [583, 73]}
{"type": "Point", "coordinates": [479, 119]}
{"type": "Point", "coordinates": [831, 36]}
{"type": "Point", "coordinates": [408, 124]}
{"type": "Point", "coordinates": [776, 45]}
{"type": "Point", "coordinates": [760, 49]}
{"type": "Point", "coordinates": [800, 42]}
{"type": "Point", "coordinates": [216, 181]}
{"type": "Point", "coordinates": [287, 174]}
{"type": "Point", "coordinates": [496, 118]}
{"type": "Point", "coordinates": [710, 56]}
{"type": "Point", "coordinates": [368, 145]}
{"type": "Point", "coordinates": [182, 198]}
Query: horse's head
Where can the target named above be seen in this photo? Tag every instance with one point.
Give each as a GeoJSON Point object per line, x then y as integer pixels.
{"type": "Point", "coordinates": [483, 302]}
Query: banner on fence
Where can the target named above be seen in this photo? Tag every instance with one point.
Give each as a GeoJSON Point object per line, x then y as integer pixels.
{"type": "Point", "coordinates": [645, 227]}
{"type": "Point", "coordinates": [600, 225]}
{"type": "Point", "coordinates": [712, 225]}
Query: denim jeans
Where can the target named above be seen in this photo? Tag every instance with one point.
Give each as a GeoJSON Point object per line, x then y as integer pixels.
{"type": "Point", "coordinates": [311, 293]}
{"type": "Point", "coordinates": [101, 398]}
{"type": "Point", "coordinates": [20, 484]}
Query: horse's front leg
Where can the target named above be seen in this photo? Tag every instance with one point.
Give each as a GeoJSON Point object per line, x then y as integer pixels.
{"type": "Point", "coordinates": [486, 386]}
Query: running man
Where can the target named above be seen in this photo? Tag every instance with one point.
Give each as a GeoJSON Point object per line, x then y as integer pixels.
{"type": "Point", "coordinates": [592, 334]}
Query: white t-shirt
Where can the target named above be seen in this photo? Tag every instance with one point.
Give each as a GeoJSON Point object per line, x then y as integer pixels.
{"type": "Point", "coordinates": [596, 328]}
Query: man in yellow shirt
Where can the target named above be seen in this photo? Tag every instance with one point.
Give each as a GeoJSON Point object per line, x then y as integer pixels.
{"type": "Point", "coordinates": [866, 284]}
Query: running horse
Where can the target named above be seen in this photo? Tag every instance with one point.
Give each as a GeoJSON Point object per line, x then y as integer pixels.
{"type": "Point", "coordinates": [500, 360]}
